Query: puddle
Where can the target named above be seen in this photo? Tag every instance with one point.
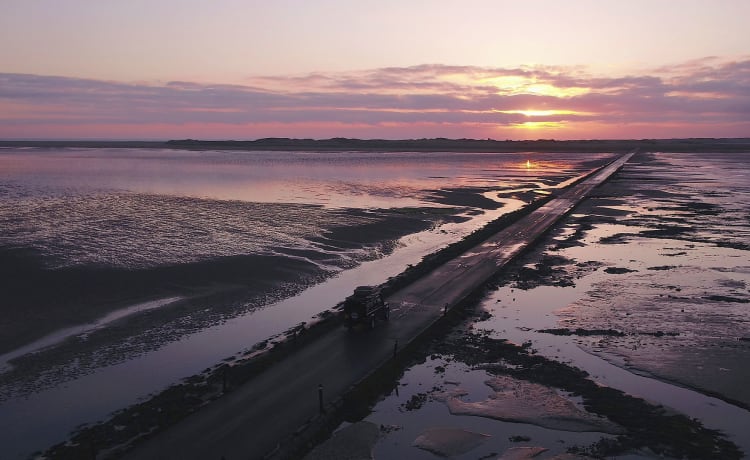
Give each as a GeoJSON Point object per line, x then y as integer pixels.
{"type": "Point", "coordinates": [409, 422]}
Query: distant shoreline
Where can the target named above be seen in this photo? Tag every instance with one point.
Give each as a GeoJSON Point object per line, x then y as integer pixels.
{"type": "Point", "coordinates": [408, 145]}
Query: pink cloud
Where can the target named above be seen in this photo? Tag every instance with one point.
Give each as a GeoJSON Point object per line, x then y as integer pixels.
{"type": "Point", "coordinates": [709, 97]}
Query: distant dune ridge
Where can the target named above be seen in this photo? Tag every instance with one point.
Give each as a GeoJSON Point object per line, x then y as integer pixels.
{"type": "Point", "coordinates": [417, 145]}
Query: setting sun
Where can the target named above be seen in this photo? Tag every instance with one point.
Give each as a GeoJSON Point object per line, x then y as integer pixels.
{"type": "Point", "coordinates": [533, 125]}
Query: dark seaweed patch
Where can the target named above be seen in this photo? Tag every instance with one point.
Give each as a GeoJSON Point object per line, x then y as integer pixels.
{"type": "Point", "coordinates": [618, 270]}
{"type": "Point", "coordinates": [583, 332]}
{"type": "Point", "coordinates": [724, 298]}
{"type": "Point", "coordinates": [666, 232]}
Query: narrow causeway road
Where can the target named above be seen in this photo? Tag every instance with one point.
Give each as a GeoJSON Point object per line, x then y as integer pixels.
{"type": "Point", "coordinates": [248, 422]}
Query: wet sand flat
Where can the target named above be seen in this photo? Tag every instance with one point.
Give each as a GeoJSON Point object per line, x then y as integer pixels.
{"type": "Point", "coordinates": [644, 286]}
{"type": "Point", "coordinates": [678, 225]}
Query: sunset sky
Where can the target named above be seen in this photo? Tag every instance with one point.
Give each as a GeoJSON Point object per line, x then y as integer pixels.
{"type": "Point", "coordinates": [245, 69]}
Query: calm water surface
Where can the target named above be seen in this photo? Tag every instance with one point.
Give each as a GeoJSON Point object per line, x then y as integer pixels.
{"type": "Point", "coordinates": [101, 206]}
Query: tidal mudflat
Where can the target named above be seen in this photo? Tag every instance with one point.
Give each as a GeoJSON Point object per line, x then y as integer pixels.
{"type": "Point", "coordinates": [622, 334]}
{"type": "Point", "coordinates": [132, 269]}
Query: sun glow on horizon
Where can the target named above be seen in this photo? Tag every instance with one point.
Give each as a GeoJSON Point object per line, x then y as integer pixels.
{"type": "Point", "coordinates": [541, 113]}
{"type": "Point", "coordinates": [540, 125]}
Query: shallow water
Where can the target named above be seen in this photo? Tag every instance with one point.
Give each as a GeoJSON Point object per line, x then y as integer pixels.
{"type": "Point", "coordinates": [139, 210]}
{"type": "Point", "coordinates": [136, 208]}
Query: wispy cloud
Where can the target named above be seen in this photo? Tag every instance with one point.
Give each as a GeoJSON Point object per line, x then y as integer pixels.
{"type": "Point", "coordinates": [705, 97]}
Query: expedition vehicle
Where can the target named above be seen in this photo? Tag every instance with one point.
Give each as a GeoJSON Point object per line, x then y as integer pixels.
{"type": "Point", "coordinates": [364, 306]}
